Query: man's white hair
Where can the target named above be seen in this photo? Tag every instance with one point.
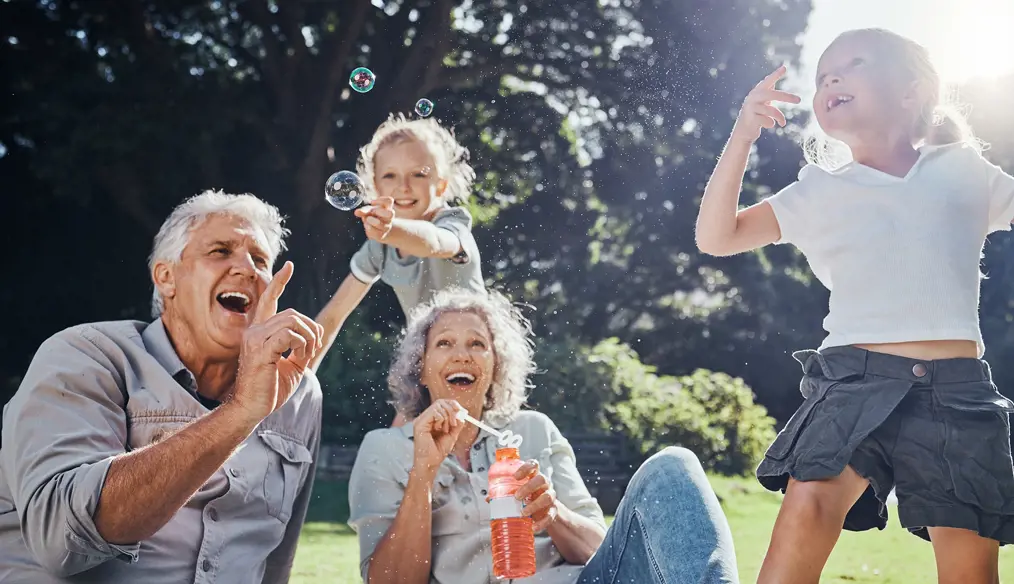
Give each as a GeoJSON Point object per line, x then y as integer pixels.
{"type": "Point", "coordinates": [174, 235]}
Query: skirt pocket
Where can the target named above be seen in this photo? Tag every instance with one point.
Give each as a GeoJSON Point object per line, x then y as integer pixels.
{"type": "Point", "coordinates": [977, 448]}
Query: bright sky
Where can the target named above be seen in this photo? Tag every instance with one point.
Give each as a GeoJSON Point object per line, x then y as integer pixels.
{"type": "Point", "coordinates": [967, 38]}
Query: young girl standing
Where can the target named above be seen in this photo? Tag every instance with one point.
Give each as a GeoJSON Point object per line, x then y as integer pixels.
{"type": "Point", "coordinates": [417, 243]}
{"type": "Point", "coordinates": [898, 395]}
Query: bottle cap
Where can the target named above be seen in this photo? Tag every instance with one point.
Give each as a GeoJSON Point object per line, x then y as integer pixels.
{"type": "Point", "coordinates": [507, 454]}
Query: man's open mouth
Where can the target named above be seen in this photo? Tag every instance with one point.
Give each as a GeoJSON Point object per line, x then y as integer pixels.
{"type": "Point", "coordinates": [234, 302]}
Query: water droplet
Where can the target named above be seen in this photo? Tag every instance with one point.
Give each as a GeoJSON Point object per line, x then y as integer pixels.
{"type": "Point", "coordinates": [423, 107]}
{"type": "Point", "coordinates": [362, 79]}
{"type": "Point", "coordinates": [344, 190]}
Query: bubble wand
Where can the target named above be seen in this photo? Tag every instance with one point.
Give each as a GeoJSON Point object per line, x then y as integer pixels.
{"type": "Point", "coordinates": [506, 438]}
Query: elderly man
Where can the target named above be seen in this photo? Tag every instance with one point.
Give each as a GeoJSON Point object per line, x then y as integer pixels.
{"type": "Point", "coordinates": [177, 451]}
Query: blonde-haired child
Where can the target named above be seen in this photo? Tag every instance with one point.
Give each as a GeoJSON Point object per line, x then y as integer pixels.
{"type": "Point", "coordinates": [897, 396]}
{"type": "Point", "coordinates": [417, 242]}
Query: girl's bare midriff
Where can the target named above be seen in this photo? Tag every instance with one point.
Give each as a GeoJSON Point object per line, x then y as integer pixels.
{"type": "Point", "coordinates": [927, 350]}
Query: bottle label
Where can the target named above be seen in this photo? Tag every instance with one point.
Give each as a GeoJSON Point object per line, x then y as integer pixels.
{"type": "Point", "coordinates": [504, 508]}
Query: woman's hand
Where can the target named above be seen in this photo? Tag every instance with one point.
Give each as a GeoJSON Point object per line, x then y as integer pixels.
{"type": "Point", "coordinates": [434, 434]}
{"type": "Point", "coordinates": [539, 498]}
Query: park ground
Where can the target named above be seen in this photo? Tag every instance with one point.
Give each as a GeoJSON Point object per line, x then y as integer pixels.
{"type": "Point", "coordinates": [328, 551]}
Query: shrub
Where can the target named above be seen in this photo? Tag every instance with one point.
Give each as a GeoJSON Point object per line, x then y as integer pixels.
{"type": "Point", "coordinates": [710, 413]}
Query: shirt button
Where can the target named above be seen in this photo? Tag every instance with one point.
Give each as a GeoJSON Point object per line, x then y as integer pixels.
{"type": "Point", "coordinates": [206, 566]}
{"type": "Point", "coordinates": [477, 447]}
{"type": "Point", "coordinates": [288, 452]}
{"type": "Point", "coordinates": [234, 472]}
{"type": "Point", "coordinates": [919, 370]}
{"type": "Point", "coordinates": [213, 514]}
{"type": "Point", "coordinates": [484, 491]}
{"type": "Point", "coordinates": [482, 468]}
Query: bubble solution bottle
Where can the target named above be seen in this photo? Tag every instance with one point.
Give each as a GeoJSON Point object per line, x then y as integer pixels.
{"type": "Point", "coordinates": [512, 537]}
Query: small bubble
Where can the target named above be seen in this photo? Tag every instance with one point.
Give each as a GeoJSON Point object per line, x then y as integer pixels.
{"type": "Point", "coordinates": [344, 190]}
{"type": "Point", "coordinates": [362, 79]}
{"type": "Point", "coordinates": [423, 107]}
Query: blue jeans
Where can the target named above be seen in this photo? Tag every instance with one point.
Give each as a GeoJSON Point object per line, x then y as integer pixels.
{"type": "Point", "coordinates": [669, 529]}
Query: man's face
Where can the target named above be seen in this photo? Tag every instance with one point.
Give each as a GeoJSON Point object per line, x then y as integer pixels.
{"type": "Point", "coordinates": [215, 286]}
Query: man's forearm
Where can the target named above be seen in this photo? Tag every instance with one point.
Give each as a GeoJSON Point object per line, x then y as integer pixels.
{"type": "Point", "coordinates": [422, 239]}
{"type": "Point", "coordinates": [145, 488]}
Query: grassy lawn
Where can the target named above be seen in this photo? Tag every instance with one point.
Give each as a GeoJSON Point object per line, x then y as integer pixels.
{"type": "Point", "coordinates": [328, 551]}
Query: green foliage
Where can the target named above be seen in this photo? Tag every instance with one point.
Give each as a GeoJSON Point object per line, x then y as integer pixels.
{"type": "Point", "coordinates": [606, 388]}
{"type": "Point", "coordinates": [354, 380]}
{"type": "Point", "coordinates": [577, 383]}
{"type": "Point", "coordinates": [712, 414]}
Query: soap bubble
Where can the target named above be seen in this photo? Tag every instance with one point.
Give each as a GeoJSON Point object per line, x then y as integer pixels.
{"type": "Point", "coordinates": [424, 107]}
{"type": "Point", "coordinates": [362, 79]}
{"type": "Point", "coordinates": [344, 190]}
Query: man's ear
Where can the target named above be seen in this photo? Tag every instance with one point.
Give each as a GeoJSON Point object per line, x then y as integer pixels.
{"type": "Point", "coordinates": [164, 279]}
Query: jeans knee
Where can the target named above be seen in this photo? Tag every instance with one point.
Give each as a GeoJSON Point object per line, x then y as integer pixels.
{"type": "Point", "coordinates": [670, 466]}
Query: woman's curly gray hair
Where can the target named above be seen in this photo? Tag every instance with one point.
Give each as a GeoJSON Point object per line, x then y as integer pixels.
{"type": "Point", "coordinates": [513, 352]}
{"type": "Point", "coordinates": [451, 157]}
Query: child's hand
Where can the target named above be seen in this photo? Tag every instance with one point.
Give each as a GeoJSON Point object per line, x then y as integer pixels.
{"type": "Point", "coordinates": [757, 111]}
{"type": "Point", "coordinates": [377, 218]}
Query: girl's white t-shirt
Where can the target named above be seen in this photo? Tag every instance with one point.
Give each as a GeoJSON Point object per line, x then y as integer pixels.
{"type": "Point", "coordinates": [900, 255]}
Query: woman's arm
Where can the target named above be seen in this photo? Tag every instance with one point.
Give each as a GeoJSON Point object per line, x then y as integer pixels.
{"type": "Point", "coordinates": [575, 536]}
{"type": "Point", "coordinates": [404, 555]}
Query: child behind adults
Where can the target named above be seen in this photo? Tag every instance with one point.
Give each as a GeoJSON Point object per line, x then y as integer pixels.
{"type": "Point", "coordinates": [417, 243]}
{"type": "Point", "coordinates": [898, 395]}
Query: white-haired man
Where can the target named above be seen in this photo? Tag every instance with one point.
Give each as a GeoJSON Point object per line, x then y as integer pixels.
{"type": "Point", "coordinates": [181, 450]}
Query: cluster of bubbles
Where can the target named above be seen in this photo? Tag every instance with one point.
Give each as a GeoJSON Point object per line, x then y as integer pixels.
{"type": "Point", "coordinates": [344, 189]}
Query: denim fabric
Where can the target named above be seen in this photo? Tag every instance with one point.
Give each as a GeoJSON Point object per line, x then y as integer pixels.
{"type": "Point", "coordinates": [669, 529]}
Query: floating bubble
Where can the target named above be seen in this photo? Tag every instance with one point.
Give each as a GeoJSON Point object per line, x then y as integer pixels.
{"type": "Point", "coordinates": [362, 79]}
{"type": "Point", "coordinates": [344, 190]}
{"type": "Point", "coordinates": [424, 107]}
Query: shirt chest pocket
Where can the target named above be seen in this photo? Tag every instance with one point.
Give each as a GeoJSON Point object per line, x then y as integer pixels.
{"type": "Point", "coordinates": [282, 477]}
{"type": "Point", "coordinates": [450, 507]}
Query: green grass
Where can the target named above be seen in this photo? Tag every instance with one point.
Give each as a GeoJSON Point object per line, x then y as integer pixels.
{"type": "Point", "coordinates": [328, 551]}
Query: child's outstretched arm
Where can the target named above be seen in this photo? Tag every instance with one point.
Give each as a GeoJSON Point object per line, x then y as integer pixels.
{"type": "Point", "coordinates": [333, 315]}
{"type": "Point", "coordinates": [413, 237]}
{"type": "Point", "coordinates": [722, 229]}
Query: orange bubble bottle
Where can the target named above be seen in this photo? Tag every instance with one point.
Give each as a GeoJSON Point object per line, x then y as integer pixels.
{"type": "Point", "coordinates": [512, 537]}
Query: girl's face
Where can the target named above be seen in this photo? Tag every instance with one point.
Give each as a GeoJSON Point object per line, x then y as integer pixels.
{"type": "Point", "coordinates": [857, 93]}
{"type": "Point", "coordinates": [406, 171]}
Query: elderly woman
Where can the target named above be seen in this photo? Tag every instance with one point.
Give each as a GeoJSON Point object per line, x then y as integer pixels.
{"type": "Point", "coordinates": [418, 492]}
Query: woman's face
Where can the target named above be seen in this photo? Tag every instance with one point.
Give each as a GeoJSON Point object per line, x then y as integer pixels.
{"type": "Point", "coordinates": [459, 360]}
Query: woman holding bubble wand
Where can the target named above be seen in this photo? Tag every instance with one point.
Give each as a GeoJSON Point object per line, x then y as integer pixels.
{"type": "Point", "coordinates": [418, 493]}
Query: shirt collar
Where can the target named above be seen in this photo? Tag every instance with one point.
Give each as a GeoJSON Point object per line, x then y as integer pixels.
{"type": "Point", "coordinates": [158, 345]}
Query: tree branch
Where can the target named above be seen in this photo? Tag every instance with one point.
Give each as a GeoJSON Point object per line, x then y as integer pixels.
{"type": "Point", "coordinates": [256, 13]}
{"type": "Point", "coordinates": [434, 36]}
{"type": "Point", "coordinates": [336, 53]}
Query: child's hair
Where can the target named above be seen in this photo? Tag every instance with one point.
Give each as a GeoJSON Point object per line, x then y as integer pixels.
{"type": "Point", "coordinates": [940, 121]}
{"type": "Point", "coordinates": [451, 157]}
